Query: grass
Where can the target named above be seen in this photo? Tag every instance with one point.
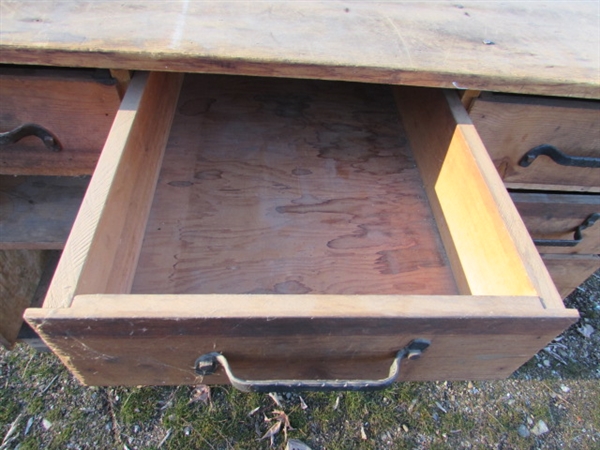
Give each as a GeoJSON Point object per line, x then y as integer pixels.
{"type": "Point", "coordinates": [411, 415]}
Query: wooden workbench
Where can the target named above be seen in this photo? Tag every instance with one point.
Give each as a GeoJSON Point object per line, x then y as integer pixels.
{"type": "Point", "coordinates": [348, 225]}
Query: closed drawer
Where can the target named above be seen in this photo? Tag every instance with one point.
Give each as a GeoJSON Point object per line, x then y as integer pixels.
{"type": "Point", "coordinates": [561, 223]}
{"type": "Point", "coordinates": [75, 106]}
{"type": "Point", "coordinates": [569, 271]}
{"type": "Point", "coordinates": [303, 229]}
{"type": "Point", "coordinates": [510, 126]}
{"type": "Point", "coordinates": [37, 212]}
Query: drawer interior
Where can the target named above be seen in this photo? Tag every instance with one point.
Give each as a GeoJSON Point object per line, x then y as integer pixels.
{"type": "Point", "coordinates": [303, 228]}
{"type": "Point", "coordinates": [289, 187]}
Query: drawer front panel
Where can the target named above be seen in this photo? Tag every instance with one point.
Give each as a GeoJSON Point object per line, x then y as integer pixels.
{"type": "Point", "coordinates": [510, 126]}
{"type": "Point", "coordinates": [38, 212]}
{"type": "Point", "coordinates": [131, 301]}
{"type": "Point", "coordinates": [109, 341]}
{"type": "Point", "coordinates": [75, 107]}
{"type": "Point", "coordinates": [557, 217]}
{"type": "Point", "coordinates": [569, 271]}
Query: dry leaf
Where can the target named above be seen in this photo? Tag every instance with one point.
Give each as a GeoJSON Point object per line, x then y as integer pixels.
{"type": "Point", "coordinates": [276, 398]}
{"type": "Point", "coordinates": [282, 417]}
{"type": "Point", "coordinates": [337, 403]}
{"type": "Point", "coordinates": [303, 404]}
{"type": "Point", "coordinates": [282, 421]}
{"type": "Point", "coordinates": [363, 434]}
{"type": "Point", "coordinates": [272, 432]}
{"type": "Point", "coordinates": [200, 394]}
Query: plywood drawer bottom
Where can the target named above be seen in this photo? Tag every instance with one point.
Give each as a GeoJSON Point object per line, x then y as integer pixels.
{"type": "Point", "coordinates": [304, 229]}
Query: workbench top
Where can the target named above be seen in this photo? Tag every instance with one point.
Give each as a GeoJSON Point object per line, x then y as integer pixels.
{"type": "Point", "coordinates": [549, 48]}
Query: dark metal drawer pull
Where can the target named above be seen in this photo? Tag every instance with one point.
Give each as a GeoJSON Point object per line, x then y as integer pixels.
{"type": "Point", "coordinates": [577, 237]}
{"type": "Point", "coordinates": [558, 157]}
{"type": "Point", "coordinates": [207, 364]}
{"type": "Point", "coordinates": [31, 129]}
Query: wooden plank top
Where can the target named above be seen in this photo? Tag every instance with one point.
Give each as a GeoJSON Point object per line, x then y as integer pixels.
{"type": "Point", "coordinates": [550, 48]}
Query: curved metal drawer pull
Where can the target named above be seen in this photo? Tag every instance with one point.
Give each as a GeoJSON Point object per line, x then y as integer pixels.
{"type": "Point", "coordinates": [31, 129]}
{"type": "Point", "coordinates": [558, 157]}
{"type": "Point", "coordinates": [577, 236]}
{"type": "Point", "coordinates": [207, 364]}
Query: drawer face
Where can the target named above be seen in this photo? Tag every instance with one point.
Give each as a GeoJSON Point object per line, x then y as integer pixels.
{"type": "Point", "coordinates": [37, 212]}
{"type": "Point", "coordinates": [511, 125]}
{"type": "Point", "coordinates": [304, 229]}
{"type": "Point", "coordinates": [556, 217]}
{"type": "Point", "coordinates": [73, 105]}
{"type": "Point", "coordinates": [569, 271]}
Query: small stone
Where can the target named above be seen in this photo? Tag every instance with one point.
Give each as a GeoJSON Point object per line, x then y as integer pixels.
{"type": "Point", "coordinates": [564, 388]}
{"type": "Point", "coordinates": [547, 362]}
{"type": "Point", "coordinates": [136, 428]}
{"type": "Point", "coordinates": [405, 427]}
{"type": "Point", "coordinates": [46, 424]}
{"type": "Point", "coordinates": [540, 428]}
{"type": "Point", "coordinates": [295, 444]}
{"type": "Point", "coordinates": [187, 431]}
{"type": "Point", "coordinates": [529, 421]}
{"type": "Point", "coordinates": [523, 431]}
{"type": "Point", "coordinates": [586, 331]}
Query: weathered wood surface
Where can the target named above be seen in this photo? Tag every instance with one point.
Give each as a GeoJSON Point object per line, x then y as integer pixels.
{"type": "Point", "coordinates": [20, 271]}
{"type": "Point", "coordinates": [288, 187]}
{"type": "Point", "coordinates": [569, 271]}
{"type": "Point", "coordinates": [73, 105]}
{"type": "Point", "coordinates": [550, 48]}
{"type": "Point", "coordinates": [102, 251]}
{"type": "Point", "coordinates": [38, 212]}
{"type": "Point", "coordinates": [138, 339]}
{"type": "Point", "coordinates": [510, 126]}
{"type": "Point", "coordinates": [556, 216]}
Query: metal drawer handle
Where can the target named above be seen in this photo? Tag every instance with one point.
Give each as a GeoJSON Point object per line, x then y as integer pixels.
{"type": "Point", "coordinates": [31, 129]}
{"type": "Point", "coordinates": [207, 364]}
{"type": "Point", "coordinates": [577, 236]}
{"type": "Point", "coordinates": [558, 157]}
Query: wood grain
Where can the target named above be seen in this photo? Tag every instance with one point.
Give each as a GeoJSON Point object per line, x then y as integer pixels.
{"type": "Point", "coordinates": [103, 247]}
{"type": "Point", "coordinates": [309, 336]}
{"type": "Point", "coordinates": [510, 126]}
{"type": "Point", "coordinates": [471, 45]}
{"type": "Point", "coordinates": [38, 212]}
{"type": "Point", "coordinates": [20, 271]}
{"type": "Point", "coordinates": [569, 271]}
{"type": "Point", "coordinates": [557, 216]}
{"type": "Point", "coordinates": [289, 187]}
{"type": "Point", "coordinates": [76, 107]}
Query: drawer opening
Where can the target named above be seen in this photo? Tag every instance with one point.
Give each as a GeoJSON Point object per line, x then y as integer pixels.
{"type": "Point", "coordinates": [291, 222]}
{"type": "Point", "coordinates": [274, 186]}
{"type": "Point", "coordinates": [296, 187]}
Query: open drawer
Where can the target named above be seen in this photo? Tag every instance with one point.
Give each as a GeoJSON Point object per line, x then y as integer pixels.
{"type": "Point", "coordinates": [305, 230]}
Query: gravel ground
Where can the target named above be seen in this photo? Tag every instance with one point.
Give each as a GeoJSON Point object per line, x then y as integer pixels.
{"type": "Point", "coordinates": [553, 402]}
